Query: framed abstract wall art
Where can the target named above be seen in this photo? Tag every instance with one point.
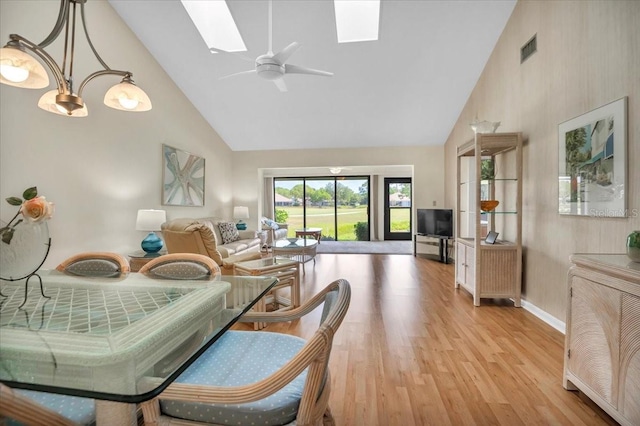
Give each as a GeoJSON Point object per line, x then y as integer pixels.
{"type": "Point", "coordinates": [593, 162]}
{"type": "Point", "coordinates": [182, 178]}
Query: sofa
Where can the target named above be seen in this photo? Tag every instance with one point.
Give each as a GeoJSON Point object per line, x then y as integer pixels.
{"type": "Point", "coordinates": [212, 237]}
{"type": "Point", "coordinates": [275, 230]}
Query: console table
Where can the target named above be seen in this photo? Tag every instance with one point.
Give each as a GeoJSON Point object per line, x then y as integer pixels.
{"type": "Point", "coordinates": [602, 342]}
{"type": "Point", "coordinates": [443, 245]}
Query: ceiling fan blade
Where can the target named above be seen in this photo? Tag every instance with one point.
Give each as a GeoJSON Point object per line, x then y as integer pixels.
{"type": "Point", "coordinates": [280, 84]}
{"type": "Point", "coordinates": [236, 54]}
{"type": "Point", "coordinates": [285, 53]}
{"type": "Point", "coordinates": [294, 69]}
{"type": "Point", "coordinates": [237, 73]}
{"type": "Point", "coordinates": [270, 25]}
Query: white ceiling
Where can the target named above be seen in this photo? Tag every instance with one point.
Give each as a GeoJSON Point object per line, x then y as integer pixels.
{"type": "Point", "coordinates": [407, 88]}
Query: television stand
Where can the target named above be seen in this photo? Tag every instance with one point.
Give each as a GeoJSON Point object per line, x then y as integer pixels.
{"type": "Point", "coordinates": [443, 245]}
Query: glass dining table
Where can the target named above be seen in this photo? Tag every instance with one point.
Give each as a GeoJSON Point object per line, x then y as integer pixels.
{"type": "Point", "coordinates": [101, 337]}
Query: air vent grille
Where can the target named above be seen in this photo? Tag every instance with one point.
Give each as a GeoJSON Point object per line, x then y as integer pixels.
{"type": "Point", "coordinates": [528, 49]}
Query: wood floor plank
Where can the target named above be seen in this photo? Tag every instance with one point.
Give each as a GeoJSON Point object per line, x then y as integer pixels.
{"type": "Point", "coordinates": [413, 350]}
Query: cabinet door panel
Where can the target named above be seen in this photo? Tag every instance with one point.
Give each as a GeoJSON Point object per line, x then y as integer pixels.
{"type": "Point", "coordinates": [594, 340]}
{"type": "Point", "coordinates": [470, 260]}
{"type": "Point", "coordinates": [460, 263]}
{"type": "Point", "coordinates": [630, 359]}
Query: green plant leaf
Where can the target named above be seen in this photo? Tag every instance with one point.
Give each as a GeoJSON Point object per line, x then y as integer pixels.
{"type": "Point", "coordinates": [7, 236]}
{"type": "Point", "coordinates": [30, 193]}
{"type": "Point", "coordinates": [14, 201]}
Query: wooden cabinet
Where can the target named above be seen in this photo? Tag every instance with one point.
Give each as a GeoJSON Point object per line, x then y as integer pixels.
{"type": "Point", "coordinates": [602, 343]}
{"type": "Point", "coordinates": [490, 270]}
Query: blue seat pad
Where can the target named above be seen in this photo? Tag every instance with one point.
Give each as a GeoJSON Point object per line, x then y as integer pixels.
{"type": "Point", "coordinates": [241, 358]}
{"type": "Point", "coordinates": [74, 408]}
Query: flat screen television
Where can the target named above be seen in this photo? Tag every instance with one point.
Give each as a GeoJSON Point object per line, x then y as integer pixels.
{"type": "Point", "coordinates": [435, 222]}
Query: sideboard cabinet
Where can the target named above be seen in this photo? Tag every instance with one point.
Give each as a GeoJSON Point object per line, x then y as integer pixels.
{"type": "Point", "coordinates": [602, 342]}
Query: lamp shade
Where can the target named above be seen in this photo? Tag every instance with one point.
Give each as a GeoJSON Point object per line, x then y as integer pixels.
{"type": "Point", "coordinates": [48, 103]}
{"type": "Point", "coordinates": [126, 96]}
{"type": "Point", "coordinates": [150, 220]}
{"type": "Point", "coordinates": [19, 69]}
{"type": "Point", "coordinates": [241, 212]}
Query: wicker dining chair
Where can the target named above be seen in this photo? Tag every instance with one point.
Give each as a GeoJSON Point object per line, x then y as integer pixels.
{"type": "Point", "coordinates": [257, 377]}
{"type": "Point", "coordinates": [96, 264]}
{"type": "Point", "coordinates": [182, 266]}
{"type": "Point", "coordinates": [40, 408]}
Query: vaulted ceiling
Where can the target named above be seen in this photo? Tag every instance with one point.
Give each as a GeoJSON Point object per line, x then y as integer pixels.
{"type": "Point", "coordinates": [407, 88]}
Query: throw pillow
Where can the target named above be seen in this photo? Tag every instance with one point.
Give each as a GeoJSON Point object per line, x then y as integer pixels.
{"type": "Point", "coordinates": [271, 224]}
{"type": "Point", "coordinates": [229, 232]}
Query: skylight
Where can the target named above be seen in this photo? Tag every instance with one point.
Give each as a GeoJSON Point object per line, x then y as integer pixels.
{"type": "Point", "coordinates": [357, 20]}
{"type": "Point", "coordinates": [215, 24]}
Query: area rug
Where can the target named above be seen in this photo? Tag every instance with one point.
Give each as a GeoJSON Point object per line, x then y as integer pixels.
{"type": "Point", "coordinates": [366, 247]}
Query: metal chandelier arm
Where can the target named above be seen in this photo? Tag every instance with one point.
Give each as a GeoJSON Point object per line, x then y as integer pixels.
{"type": "Point", "coordinates": [108, 71]}
{"type": "Point", "coordinates": [86, 33]}
{"type": "Point", "coordinates": [62, 19]}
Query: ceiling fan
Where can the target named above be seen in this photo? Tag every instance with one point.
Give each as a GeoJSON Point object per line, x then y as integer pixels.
{"type": "Point", "coordinates": [272, 66]}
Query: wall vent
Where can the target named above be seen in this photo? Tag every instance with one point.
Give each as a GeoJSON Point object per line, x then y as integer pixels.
{"type": "Point", "coordinates": [528, 49]}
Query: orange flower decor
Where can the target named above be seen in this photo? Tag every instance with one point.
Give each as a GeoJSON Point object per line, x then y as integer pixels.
{"type": "Point", "coordinates": [34, 208]}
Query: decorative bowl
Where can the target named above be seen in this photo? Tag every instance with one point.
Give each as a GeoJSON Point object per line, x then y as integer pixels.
{"type": "Point", "coordinates": [485, 126]}
{"type": "Point", "coordinates": [292, 240]}
{"type": "Point", "coordinates": [488, 205]}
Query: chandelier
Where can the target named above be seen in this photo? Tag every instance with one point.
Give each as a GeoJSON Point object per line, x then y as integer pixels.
{"type": "Point", "coordinates": [19, 68]}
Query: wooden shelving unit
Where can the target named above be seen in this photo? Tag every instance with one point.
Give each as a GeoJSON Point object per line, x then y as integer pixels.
{"type": "Point", "coordinates": [490, 270]}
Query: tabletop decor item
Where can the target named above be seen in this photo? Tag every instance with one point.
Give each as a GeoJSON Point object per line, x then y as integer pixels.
{"type": "Point", "coordinates": [25, 241]}
{"type": "Point", "coordinates": [633, 246]}
{"type": "Point", "coordinates": [488, 205]}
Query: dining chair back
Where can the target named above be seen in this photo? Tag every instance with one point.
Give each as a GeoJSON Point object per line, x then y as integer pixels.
{"type": "Point", "coordinates": [259, 377]}
{"type": "Point", "coordinates": [96, 264]}
{"type": "Point", "coordinates": [182, 266]}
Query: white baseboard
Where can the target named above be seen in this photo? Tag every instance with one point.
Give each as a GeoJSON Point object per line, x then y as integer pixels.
{"type": "Point", "coordinates": [545, 316]}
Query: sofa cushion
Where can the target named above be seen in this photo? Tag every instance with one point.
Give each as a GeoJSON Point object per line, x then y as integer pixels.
{"type": "Point", "coordinates": [229, 232]}
{"type": "Point", "coordinates": [191, 236]}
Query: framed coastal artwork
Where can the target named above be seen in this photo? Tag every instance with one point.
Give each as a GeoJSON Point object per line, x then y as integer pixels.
{"type": "Point", "coordinates": [182, 178]}
{"type": "Point", "coordinates": [593, 162]}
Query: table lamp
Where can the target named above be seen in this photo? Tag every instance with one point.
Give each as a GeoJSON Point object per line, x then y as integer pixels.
{"type": "Point", "coordinates": [241, 212]}
{"type": "Point", "coordinates": [151, 220]}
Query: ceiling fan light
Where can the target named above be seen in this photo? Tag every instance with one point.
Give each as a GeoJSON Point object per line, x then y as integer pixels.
{"type": "Point", "coordinates": [19, 69]}
{"type": "Point", "coordinates": [48, 103]}
{"type": "Point", "coordinates": [126, 96]}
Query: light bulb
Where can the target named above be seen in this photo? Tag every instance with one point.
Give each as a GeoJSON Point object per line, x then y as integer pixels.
{"type": "Point", "coordinates": [127, 103]}
{"type": "Point", "coordinates": [14, 74]}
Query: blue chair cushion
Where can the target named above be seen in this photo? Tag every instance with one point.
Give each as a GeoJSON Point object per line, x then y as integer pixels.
{"type": "Point", "coordinates": [94, 268]}
{"type": "Point", "coordinates": [76, 409]}
{"type": "Point", "coordinates": [240, 358]}
{"type": "Point", "coordinates": [181, 270]}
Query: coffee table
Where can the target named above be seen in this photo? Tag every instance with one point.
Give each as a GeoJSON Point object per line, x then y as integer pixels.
{"type": "Point", "coordinates": [314, 232]}
{"type": "Point", "coordinates": [298, 249]}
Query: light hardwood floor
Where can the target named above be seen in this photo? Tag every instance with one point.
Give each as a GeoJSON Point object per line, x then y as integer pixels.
{"type": "Point", "coordinates": [412, 350]}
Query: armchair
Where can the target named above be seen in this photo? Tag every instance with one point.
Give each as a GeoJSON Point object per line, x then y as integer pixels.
{"type": "Point", "coordinates": [275, 230]}
{"type": "Point", "coordinates": [259, 377]}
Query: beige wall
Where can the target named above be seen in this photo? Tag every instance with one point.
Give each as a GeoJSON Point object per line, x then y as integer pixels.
{"type": "Point", "coordinates": [101, 169]}
{"type": "Point", "coordinates": [427, 162]}
{"type": "Point", "coordinates": [588, 55]}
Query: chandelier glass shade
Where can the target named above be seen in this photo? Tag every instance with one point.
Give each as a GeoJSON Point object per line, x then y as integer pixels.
{"type": "Point", "coordinates": [20, 68]}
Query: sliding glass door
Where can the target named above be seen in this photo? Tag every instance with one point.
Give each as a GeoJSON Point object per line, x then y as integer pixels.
{"type": "Point", "coordinates": [337, 205]}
